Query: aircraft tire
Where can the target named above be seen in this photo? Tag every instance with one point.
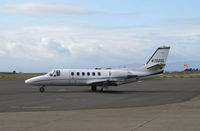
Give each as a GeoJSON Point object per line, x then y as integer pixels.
{"type": "Point", "coordinates": [94, 88]}
{"type": "Point", "coordinates": [42, 89]}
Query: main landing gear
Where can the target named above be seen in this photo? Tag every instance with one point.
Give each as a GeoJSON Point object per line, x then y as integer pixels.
{"type": "Point", "coordinates": [42, 89]}
{"type": "Point", "coordinates": [94, 88]}
{"type": "Point", "coordinates": [103, 88]}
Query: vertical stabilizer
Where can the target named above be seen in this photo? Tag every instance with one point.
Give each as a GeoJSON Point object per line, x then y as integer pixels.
{"type": "Point", "coordinates": [158, 59]}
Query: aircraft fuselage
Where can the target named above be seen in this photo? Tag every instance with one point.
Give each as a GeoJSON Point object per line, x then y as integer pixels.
{"type": "Point", "coordinates": [84, 77]}
{"type": "Point", "coordinates": [103, 77]}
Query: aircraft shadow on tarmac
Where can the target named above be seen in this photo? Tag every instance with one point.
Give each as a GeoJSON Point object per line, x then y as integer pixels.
{"type": "Point", "coordinates": [117, 91]}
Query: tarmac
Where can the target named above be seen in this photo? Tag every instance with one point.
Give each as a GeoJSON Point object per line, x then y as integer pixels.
{"type": "Point", "coordinates": [152, 105]}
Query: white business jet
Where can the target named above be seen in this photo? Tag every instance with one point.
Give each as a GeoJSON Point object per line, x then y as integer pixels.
{"type": "Point", "coordinates": [103, 77]}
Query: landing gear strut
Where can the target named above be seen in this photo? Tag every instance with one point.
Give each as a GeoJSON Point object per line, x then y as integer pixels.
{"type": "Point", "coordinates": [103, 88]}
{"type": "Point", "coordinates": [94, 88]}
{"type": "Point", "coordinates": [42, 89]}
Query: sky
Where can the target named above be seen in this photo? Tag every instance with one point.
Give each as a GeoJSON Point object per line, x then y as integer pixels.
{"type": "Point", "coordinates": [40, 35]}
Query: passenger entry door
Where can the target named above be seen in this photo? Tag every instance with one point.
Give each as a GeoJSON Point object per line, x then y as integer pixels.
{"type": "Point", "coordinates": [109, 75]}
{"type": "Point", "coordinates": [72, 77]}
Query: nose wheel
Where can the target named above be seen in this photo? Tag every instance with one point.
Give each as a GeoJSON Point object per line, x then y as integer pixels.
{"type": "Point", "coordinates": [42, 89]}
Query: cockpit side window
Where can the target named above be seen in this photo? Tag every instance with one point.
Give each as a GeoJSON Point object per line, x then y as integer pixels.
{"type": "Point", "coordinates": [58, 72]}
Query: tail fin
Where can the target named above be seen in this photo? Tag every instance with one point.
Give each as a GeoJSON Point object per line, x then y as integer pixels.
{"type": "Point", "coordinates": [158, 59]}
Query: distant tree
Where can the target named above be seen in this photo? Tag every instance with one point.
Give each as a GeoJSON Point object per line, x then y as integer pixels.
{"type": "Point", "coordinates": [14, 72]}
{"type": "Point", "coordinates": [188, 69]}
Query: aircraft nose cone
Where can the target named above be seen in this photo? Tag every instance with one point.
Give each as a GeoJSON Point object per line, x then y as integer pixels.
{"type": "Point", "coordinates": [34, 80]}
{"type": "Point", "coordinates": [27, 81]}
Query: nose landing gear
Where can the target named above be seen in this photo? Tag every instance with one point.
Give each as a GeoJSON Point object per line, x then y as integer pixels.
{"type": "Point", "coordinates": [42, 89]}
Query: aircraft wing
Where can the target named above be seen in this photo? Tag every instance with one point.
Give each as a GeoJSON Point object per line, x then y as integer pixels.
{"type": "Point", "coordinates": [102, 82]}
{"type": "Point", "coordinates": [131, 75]}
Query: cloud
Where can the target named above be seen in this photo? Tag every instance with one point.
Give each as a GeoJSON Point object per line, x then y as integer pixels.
{"type": "Point", "coordinates": [22, 44]}
{"type": "Point", "coordinates": [45, 9]}
{"type": "Point", "coordinates": [189, 22]}
{"type": "Point", "coordinates": [90, 46]}
{"type": "Point", "coordinates": [55, 47]}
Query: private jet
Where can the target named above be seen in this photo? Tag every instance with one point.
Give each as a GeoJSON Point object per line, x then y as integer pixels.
{"type": "Point", "coordinates": [103, 78]}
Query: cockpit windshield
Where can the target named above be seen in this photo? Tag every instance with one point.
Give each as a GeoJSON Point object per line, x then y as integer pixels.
{"type": "Point", "coordinates": [54, 73]}
{"type": "Point", "coordinates": [51, 73]}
